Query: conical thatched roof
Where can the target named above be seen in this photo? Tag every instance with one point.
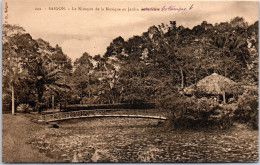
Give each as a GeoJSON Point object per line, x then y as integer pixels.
{"type": "Point", "coordinates": [213, 84]}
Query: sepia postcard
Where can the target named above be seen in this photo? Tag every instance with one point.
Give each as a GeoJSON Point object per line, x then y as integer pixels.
{"type": "Point", "coordinates": [130, 81]}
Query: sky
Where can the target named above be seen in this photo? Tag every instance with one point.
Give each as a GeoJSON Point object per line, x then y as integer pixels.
{"type": "Point", "coordinates": [79, 31]}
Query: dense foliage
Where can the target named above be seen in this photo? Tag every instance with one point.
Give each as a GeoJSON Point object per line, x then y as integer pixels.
{"type": "Point", "coordinates": [148, 68]}
{"type": "Point", "coordinates": [192, 113]}
{"type": "Point", "coordinates": [247, 111]}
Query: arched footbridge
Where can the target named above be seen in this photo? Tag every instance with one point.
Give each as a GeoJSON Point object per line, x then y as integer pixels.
{"type": "Point", "coordinates": [94, 114]}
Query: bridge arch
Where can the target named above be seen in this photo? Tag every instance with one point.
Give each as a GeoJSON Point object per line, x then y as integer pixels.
{"type": "Point", "coordinates": [89, 114]}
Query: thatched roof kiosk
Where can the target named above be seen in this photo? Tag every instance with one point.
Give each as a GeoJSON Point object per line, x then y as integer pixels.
{"type": "Point", "coordinates": [213, 84]}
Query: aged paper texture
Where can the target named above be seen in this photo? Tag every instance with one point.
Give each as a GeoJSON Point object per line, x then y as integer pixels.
{"type": "Point", "coordinates": [129, 81]}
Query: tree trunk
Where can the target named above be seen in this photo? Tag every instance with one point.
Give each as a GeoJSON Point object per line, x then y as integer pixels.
{"type": "Point", "coordinates": [225, 71]}
{"type": "Point", "coordinates": [53, 102]}
{"type": "Point", "coordinates": [81, 96]}
{"type": "Point", "coordinates": [13, 106]}
{"type": "Point", "coordinates": [40, 91]}
{"type": "Point", "coordinates": [224, 97]}
{"type": "Point", "coordinates": [182, 79]}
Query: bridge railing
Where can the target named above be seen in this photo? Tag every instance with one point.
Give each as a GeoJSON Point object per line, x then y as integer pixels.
{"type": "Point", "coordinates": [66, 115]}
{"type": "Point", "coordinates": [87, 113]}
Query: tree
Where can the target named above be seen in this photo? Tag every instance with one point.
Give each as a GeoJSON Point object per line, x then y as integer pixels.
{"type": "Point", "coordinates": [48, 81]}
{"type": "Point", "coordinates": [115, 48]}
{"type": "Point", "coordinates": [18, 50]}
{"type": "Point", "coordinates": [82, 75]}
{"type": "Point", "coordinates": [54, 60]}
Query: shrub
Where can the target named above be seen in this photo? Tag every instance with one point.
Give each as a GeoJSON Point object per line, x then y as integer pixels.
{"type": "Point", "coordinates": [174, 106]}
{"type": "Point", "coordinates": [87, 100]}
{"type": "Point", "coordinates": [24, 108]}
{"type": "Point", "coordinates": [247, 111]}
{"type": "Point", "coordinates": [185, 112]}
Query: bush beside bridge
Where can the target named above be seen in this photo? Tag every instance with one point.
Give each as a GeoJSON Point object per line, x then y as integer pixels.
{"type": "Point", "coordinates": [185, 112]}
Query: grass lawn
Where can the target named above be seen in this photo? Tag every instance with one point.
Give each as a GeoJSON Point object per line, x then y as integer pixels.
{"type": "Point", "coordinates": [17, 130]}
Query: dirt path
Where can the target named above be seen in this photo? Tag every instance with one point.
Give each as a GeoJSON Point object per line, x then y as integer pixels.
{"type": "Point", "coordinates": [16, 133]}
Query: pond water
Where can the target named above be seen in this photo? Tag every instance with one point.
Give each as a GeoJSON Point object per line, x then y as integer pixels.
{"type": "Point", "coordinates": [141, 140]}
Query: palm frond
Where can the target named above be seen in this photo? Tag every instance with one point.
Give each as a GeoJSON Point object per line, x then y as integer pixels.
{"type": "Point", "coordinates": [54, 73]}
